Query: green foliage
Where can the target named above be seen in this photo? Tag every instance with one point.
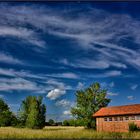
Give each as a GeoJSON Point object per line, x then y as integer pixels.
{"type": "Point", "coordinates": [6, 116]}
{"type": "Point", "coordinates": [3, 106]}
{"type": "Point", "coordinates": [73, 122]}
{"type": "Point", "coordinates": [66, 123]}
{"type": "Point", "coordinates": [14, 120]}
{"type": "Point", "coordinates": [51, 122]}
{"type": "Point", "coordinates": [88, 102]}
{"type": "Point", "coordinates": [32, 112]}
{"type": "Point", "coordinates": [133, 127]}
{"type": "Point", "coordinates": [79, 122]}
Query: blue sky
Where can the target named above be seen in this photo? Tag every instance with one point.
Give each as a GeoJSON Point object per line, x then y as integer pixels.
{"type": "Point", "coordinates": [55, 48]}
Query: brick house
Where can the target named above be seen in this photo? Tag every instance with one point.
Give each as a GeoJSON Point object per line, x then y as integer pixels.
{"type": "Point", "coordinates": [117, 118]}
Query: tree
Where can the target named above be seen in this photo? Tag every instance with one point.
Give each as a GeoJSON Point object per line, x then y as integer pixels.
{"type": "Point", "coordinates": [7, 118]}
{"type": "Point", "coordinates": [66, 123]}
{"type": "Point", "coordinates": [33, 116]}
{"type": "Point", "coordinates": [88, 102]}
{"type": "Point", "coordinates": [32, 112]}
{"type": "Point", "coordinates": [73, 122]}
{"type": "Point", "coordinates": [51, 122]}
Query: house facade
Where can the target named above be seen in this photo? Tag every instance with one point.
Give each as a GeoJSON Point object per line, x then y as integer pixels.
{"type": "Point", "coordinates": [117, 118]}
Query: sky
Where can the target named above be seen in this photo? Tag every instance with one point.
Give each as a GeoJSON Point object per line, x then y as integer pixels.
{"type": "Point", "coordinates": [53, 49]}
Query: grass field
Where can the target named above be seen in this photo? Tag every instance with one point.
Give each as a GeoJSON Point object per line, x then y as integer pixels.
{"type": "Point", "coordinates": [62, 133]}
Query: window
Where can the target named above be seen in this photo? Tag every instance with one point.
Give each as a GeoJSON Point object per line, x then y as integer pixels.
{"type": "Point", "coordinates": [121, 118]}
{"type": "Point", "coordinates": [105, 119]}
{"type": "Point", "coordinates": [115, 119]}
{"type": "Point", "coordinates": [126, 118]}
{"type": "Point", "coordinates": [132, 117]}
{"type": "Point", "coordinates": [138, 117]}
{"type": "Point", "coordinates": [110, 118]}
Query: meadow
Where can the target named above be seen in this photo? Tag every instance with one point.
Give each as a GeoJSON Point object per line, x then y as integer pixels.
{"type": "Point", "coordinates": [62, 132]}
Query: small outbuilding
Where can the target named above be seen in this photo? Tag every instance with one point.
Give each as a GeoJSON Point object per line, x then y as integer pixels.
{"type": "Point", "coordinates": [117, 118]}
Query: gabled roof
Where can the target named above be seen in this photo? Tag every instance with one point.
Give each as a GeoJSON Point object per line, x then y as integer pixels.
{"type": "Point", "coordinates": [118, 110]}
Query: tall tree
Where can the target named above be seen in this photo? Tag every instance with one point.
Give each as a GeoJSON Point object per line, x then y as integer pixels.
{"type": "Point", "coordinates": [32, 112]}
{"type": "Point", "coordinates": [88, 102]}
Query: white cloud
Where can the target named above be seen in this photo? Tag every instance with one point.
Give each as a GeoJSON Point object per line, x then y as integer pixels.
{"type": "Point", "coordinates": [133, 87]}
{"type": "Point", "coordinates": [112, 73]}
{"type": "Point", "coordinates": [131, 97]}
{"type": "Point", "coordinates": [58, 84]}
{"type": "Point", "coordinates": [100, 63]}
{"type": "Point", "coordinates": [97, 30]}
{"type": "Point", "coordinates": [6, 58]}
{"type": "Point", "coordinates": [67, 112]}
{"type": "Point", "coordinates": [64, 75]}
{"type": "Point", "coordinates": [80, 86]}
{"type": "Point", "coordinates": [17, 84]}
{"type": "Point", "coordinates": [14, 105]}
{"type": "Point", "coordinates": [108, 85]}
{"type": "Point", "coordinates": [21, 73]}
{"type": "Point", "coordinates": [22, 33]}
{"type": "Point", "coordinates": [112, 94]}
{"type": "Point", "coordinates": [112, 84]}
{"type": "Point", "coordinates": [7, 72]}
{"type": "Point", "coordinates": [18, 77]}
{"type": "Point", "coordinates": [55, 93]}
{"type": "Point", "coordinates": [63, 103]}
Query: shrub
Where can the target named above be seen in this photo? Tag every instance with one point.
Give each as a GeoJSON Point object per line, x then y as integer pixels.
{"type": "Point", "coordinates": [133, 127]}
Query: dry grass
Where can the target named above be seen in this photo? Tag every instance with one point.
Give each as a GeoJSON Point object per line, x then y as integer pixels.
{"type": "Point", "coordinates": [62, 133]}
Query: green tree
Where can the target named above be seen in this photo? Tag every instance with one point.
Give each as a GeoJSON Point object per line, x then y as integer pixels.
{"type": "Point", "coordinates": [88, 102]}
{"type": "Point", "coordinates": [33, 116]}
{"type": "Point", "coordinates": [32, 112]}
{"type": "Point", "coordinates": [51, 122]}
{"type": "Point", "coordinates": [73, 122]}
{"type": "Point", "coordinates": [66, 123]}
{"type": "Point", "coordinates": [7, 118]}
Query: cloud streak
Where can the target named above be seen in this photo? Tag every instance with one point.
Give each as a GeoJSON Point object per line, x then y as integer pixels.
{"type": "Point", "coordinates": [17, 84]}
{"type": "Point", "coordinates": [6, 58]}
{"type": "Point", "coordinates": [21, 33]}
{"type": "Point", "coordinates": [100, 32]}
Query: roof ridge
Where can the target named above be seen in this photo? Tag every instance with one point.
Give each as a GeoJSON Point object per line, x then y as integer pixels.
{"type": "Point", "coordinates": [120, 106]}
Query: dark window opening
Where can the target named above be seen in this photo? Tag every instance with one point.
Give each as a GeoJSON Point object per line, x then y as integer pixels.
{"type": "Point", "coordinates": [110, 118]}
{"type": "Point", "coordinates": [105, 119]}
{"type": "Point", "coordinates": [132, 117]}
{"type": "Point", "coordinates": [115, 119]}
{"type": "Point", "coordinates": [121, 118]}
{"type": "Point", "coordinates": [126, 118]}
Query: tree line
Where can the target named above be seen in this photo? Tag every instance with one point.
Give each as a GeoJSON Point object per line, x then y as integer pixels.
{"type": "Point", "coordinates": [32, 112]}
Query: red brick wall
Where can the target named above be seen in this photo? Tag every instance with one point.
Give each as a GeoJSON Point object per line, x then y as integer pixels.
{"type": "Point", "coordinates": [114, 126]}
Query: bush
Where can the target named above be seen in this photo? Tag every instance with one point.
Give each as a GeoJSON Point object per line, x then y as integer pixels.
{"type": "Point", "coordinates": [133, 127]}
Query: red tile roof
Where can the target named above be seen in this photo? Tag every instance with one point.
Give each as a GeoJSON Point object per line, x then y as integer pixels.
{"type": "Point", "coordinates": [118, 110]}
